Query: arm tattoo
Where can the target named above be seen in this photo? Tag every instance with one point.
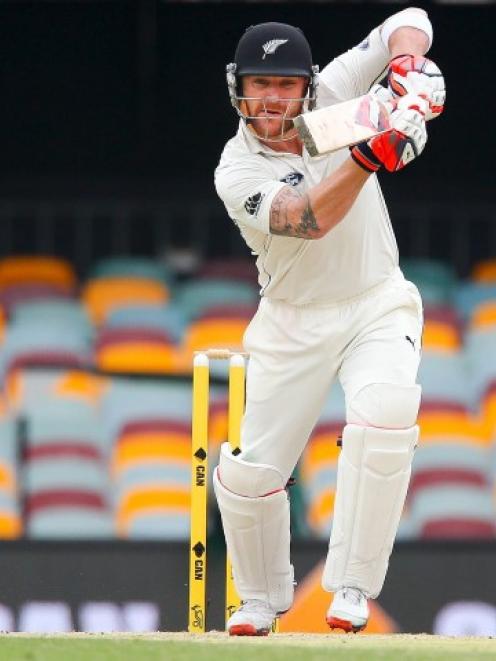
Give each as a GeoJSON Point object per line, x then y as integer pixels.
{"type": "Point", "coordinates": [285, 222]}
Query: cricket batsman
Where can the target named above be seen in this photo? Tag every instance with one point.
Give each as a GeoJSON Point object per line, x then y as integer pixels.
{"type": "Point", "coordinates": [334, 304]}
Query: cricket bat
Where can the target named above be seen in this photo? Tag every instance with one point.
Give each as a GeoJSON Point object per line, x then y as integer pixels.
{"type": "Point", "coordinates": [342, 125]}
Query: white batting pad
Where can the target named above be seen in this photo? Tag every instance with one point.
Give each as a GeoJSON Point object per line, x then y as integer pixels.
{"type": "Point", "coordinates": [373, 475]}
{"type": "Point", "coordinates": [257, 538]}
{"type": "Point", "coordinates": [246, 478]}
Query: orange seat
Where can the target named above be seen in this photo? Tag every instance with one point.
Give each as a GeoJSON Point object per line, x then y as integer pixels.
{"type": "Point", "coordinates": [484, 316]}
{"type": "Point", "coordinates": [18, 270]}
{"type": "Point", "coordinates": [8, 482]}
{"type": "Point", "coordinates": [148, 499]}
{"type": "Point", "coordinates": [103, 295]}
{"type": "Point", "coordinates": [439, 336]}
{"type": "Point", "coordinates": [139, 356]}
{"type": "Point", "coordinates": [135, 448]}
{"type": "Point", "coordinates": [214, 333]}
{"type": "Point", "coordinates": [452, 426]}
{"type": "Point", "coordinates": [10, 525]}
{"type": "Point", "coordinates": [485, 271]}
{"type": "Point", "coordinates": [320, 461]}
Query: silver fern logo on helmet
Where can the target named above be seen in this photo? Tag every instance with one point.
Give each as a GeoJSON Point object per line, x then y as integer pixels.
{"type": "Point", "coordinates": [271, 46]}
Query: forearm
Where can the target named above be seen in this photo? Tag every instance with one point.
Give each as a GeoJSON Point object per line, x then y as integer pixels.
{"type": "Point", "coordinates": [409, 32]}
{"type": "Point", "coordinates": [408, 41]}
{"type": "Point", "coordinates": [313, 215]}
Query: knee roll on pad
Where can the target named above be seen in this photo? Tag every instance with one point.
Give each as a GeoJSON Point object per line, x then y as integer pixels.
{"type": "Point", "coordinates": [247, 479]}
{"type": "Point", "coordinates": [373, 474]}
{"type": "Point", "coordinates": [258, 538]}
{"type": "Point", "coordinates": [385, 405]}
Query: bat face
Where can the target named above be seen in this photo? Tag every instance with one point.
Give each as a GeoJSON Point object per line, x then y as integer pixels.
{"type": "Point", "coordinates": [342, 125]}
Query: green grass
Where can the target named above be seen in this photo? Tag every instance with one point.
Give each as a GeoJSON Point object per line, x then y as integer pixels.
{"type": "Point", "coordinates": [215, 646]}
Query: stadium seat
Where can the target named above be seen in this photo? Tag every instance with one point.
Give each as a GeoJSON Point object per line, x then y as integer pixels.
{"type": "Point", "coordinates": [36, 270]}
{"type": "Point", "coordinates": [10, 515]}
{"type": "Point", "coordinates": [469, 295]}
{"type": "Point", "coordinates": [319, 465]}
{"type": "Point", "coordinates": [41, 343]}
{"type": "Point", "coordinates": [151, 469]}
{"type": "Point", "coordinates": [127, 266]}
{"type": "Point", "coordinates": [168, 319]}
{"type": "Point", "coordinates": [444, 377]}
{"type": "Point", "coordinates": [15, 295]}
{"type": "Point", "coordinates": [453, 511]}
{"type": "Point", "coordinates": [241, 269]}
{"type": "Point", "coordinates": [128, 400]}
{"type": "Point", "coordinates": [442, 329]}
{"type": "Point", "coordinates": [450, 490]}
{"type": "Point", "coordinates": [140, 350]}
{"type": "Point", "coordinates": [484, 271]}
{"type": "Point", "coordinates": [68, 515]}
{"type": "Point", "coordinates": [65, 470]}
{"type": "Point", "coordinates": [66, 314]}
{"type": "Point", "coordinates": [103, 295]}
{"type": "Point", "coordinates": [435, 280]}
{"type": "Point", "coordinates": [196, 296]}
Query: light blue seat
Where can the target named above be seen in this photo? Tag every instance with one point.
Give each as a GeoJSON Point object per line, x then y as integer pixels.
{"type": "Point", "coordinates": [61, 313]}
{"type": "Point", "coordinates": [480, 351]}
{"type": "Point", "coordinates": [451, 502]}
{"type": "Point", "coordinates": [171, 475]}
{"type": "Point", "coordinates": [65, 420]}
{"type": "Point", "coordinates": [9, 503]}
{"type": "Point", "coordinates": [42, 338]}
{"type": "Point", "coordinates": [70, 523]}
{"type": "Point", "coordinates": [435, 280]}
{"type": "Point", "coordinates": [469, 295]}
{"type": "Point", "coordinates": [334, 410]}
{"type": "Point", "coordinates": [65, 473]}
{"type": "Point", "coordinates": [453, 456]}
{"type": "Point", "coordinates": [8, 440]}
{"type": "Point", "coordinates": [37, 387]}
{"type": "Point", "coordinates": [129, 266]}
{"type": "Point", "coordinates": [196, 296]}
{"type": "Point", "coordinates": [444, 376]}
{"type": "Point", "coordinates": [168, 318]}
{"type": "Point", "coordinates": [134, 399]}
{"type": "Point", "coordinates": [321, 479]}
{"type": "Point", "coordinates": [170, 527]}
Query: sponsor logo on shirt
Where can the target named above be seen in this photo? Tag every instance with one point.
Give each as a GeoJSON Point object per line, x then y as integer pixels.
{"type": "Point", "coordinates": [252, 204]}
{"type": "Point", "coordinates": [292, 178]}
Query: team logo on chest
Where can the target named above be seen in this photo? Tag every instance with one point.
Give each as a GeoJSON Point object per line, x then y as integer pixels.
{"type": "Point", "coordinates": [292, 178]}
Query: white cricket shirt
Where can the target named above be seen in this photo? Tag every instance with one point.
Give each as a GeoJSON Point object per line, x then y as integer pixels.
{"type": "Point", "coordinates": [357, 254]}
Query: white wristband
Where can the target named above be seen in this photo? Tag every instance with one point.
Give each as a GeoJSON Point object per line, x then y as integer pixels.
{"type": "Point", "coordinates": [411, 18]}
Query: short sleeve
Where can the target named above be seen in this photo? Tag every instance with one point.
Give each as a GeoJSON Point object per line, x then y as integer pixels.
{"type": "Point", "coordinates": [247, 192]}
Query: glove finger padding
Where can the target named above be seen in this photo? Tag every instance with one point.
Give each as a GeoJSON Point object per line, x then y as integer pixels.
{"type": "Point", "coordinates": [396, 148]}
{"type": "Point", "coordinates": [414, 74]}
{"type": "Point", "coordinates": [403, 143]}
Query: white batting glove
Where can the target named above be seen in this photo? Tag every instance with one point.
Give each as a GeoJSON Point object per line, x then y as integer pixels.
{"type": "Point", "coordinates": [415, 74]}
{"type": "Point", "coordinates": [405, 141]}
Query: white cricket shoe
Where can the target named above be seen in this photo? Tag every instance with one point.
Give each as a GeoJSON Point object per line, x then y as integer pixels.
{"type": "Point", "coordinates": [349, 610]}
{"type": "Point", "coordinates": [253, 618]}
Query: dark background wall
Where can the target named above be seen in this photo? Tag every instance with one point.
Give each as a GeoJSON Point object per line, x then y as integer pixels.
{"type": "Point", "coordinates": [137, 88]}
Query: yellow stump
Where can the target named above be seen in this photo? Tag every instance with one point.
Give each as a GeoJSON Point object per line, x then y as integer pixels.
{"type": "Point", "coordinates": [199, 465]}
{"type": "Point", "coordinates": [199, 473]}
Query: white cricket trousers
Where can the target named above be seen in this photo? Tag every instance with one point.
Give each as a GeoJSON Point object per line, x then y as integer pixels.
{"type": "Point", "coordinates": [296, 352]}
